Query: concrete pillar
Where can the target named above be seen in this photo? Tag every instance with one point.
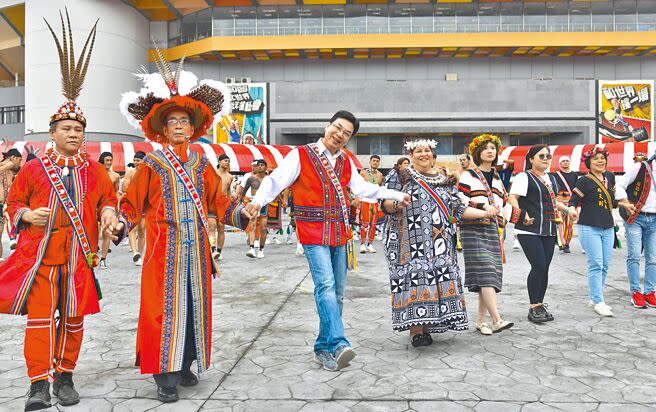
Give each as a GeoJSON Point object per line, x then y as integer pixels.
{"type": "Point", "coordinates": [122, 44]}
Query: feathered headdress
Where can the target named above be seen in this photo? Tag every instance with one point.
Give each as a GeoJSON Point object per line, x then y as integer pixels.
{"type": "Point", "coordinates": [170, 90]}
{"type": "Point", "coordinates": [72, 72]}
{"type": "Point", "coordinates": [479, 140]}
{"type": "Point", "coordinates": [413, 144]}
{"type": "Point", "coordinates": [588, 154]}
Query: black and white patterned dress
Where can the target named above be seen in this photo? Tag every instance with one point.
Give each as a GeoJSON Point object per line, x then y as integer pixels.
{"type": "Point", "coordinates": [425, 278]}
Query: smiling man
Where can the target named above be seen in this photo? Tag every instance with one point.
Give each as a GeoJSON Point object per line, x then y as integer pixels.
{"type": "Point", "coordinates": [176, 190]}
{"type": "Point", "coordinates": [319, 174]}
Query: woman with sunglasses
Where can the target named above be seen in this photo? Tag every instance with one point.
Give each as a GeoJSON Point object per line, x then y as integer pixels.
{"type": "Point", "coordinates": [595, 194]}
{"type": "Point", "coordinates": [536, 219]}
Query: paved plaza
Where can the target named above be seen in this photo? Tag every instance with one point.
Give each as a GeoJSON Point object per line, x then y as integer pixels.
{"type": "Point", "coordinates": [265, 323]}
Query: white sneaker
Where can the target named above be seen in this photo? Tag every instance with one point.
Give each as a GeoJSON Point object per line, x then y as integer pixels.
{"type": "Point", "coordinates": [356, 237]}
{"type": "Point", "coordinates": [371, 249]}
{"type": "Point", "coordinates": [276, 241]}
{"type": "Point", "coordinates": [299, 249]}
{"type": "Point", "coordinates": [379, 237]}
{"type": "Point", "coordinates": [103, 264]}
{"type": "Point", "coordinates": [256, 244]}
{"type": "Point", "coordinates": [260, 254]}
{"type": "Point", "coordinates": [139, 262]}
{"type": "Point", "coordinates": [363, 248]}
{"type": "Point", "coordinates": [12, 244]}
{"type": "Point", "coordinates": [516, 245]}
{"type": "Point", "coordinates": [126, 242]}
{"type": "Point", "coordinates": [591, 304]}
{"type": "Point", "coordinates": [289, 240]}
{"type": "Point", "coordinates": [251, 253]}
{"type": "Point", "coordinates": [603, 309]}
{"type": "Point", "coordinates": [219, 257]}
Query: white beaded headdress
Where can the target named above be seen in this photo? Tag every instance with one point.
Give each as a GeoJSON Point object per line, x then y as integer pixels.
{"type": "Point", "coordinates": [413, 144]}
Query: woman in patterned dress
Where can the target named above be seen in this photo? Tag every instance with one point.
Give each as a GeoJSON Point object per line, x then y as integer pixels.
{"type": "Point", "coordinates": [425, 280]}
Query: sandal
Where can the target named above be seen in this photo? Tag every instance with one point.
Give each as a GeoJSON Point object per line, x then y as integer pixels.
{"type": "Point", "coordinates": [421, 339]}
{"type": "Point", "coordinates": [483, 328]}
{"type": "Point", "coordinates": [501, 325]}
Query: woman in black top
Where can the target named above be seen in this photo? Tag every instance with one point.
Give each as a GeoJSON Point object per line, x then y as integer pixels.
{"type": "Point", "coordinates": [595, 194]}
{"type": "Point", "coordinates": [536, 218]}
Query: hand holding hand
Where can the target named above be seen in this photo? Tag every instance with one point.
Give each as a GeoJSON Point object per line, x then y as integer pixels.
{"type": "Point", "coordinates": [108, 223]}
{"type": "Point", "coordinates": [573, 213]}
{"type": "Point", "coordinates": [251, 210]}
{"type": "Point", "coordinates": [37, 217]}
{"type": "Point", "coordinates": [491, 211]}
{"type": "Point", "coordinates": [406, 201]}
{"type": "Point", "coordinates": [629, 207]}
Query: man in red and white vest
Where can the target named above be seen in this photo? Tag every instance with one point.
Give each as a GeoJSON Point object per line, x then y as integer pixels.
{"type": "Point", "coordinates": [636, 195]}
{"type": "Point", "coordinates": [319, 174]}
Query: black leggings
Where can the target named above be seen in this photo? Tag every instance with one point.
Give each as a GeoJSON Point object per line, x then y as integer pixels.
{"type": "Point", "coordinates": [538, 250]}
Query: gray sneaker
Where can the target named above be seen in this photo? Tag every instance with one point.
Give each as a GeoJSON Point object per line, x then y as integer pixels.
{"type": "Point", "coordinates": [325, 359]}
{"type": "Point", "coordinates": [343, 356]}
{"type": "Point", "coordinates": [64, 389]}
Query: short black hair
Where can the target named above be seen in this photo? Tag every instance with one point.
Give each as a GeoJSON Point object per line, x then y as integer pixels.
{"type": "Point", "coordinates": [10, 153]}
{"type": "Point", "coordinates": [466, 155]}
{"type": "Point", "coordinates": [105, 155]}
{"type": "Point", "coordinates": [589, 159]}
{"type": "Point", "coordinates": [139, 155]}
{"type": "Point", "coordinates": [374, 157]}
{"type": "Point", "coordinates": [531, 154]}
{"type": "Point", "coordinates": [346, 115]}
{"type": "Point", "coordinates": [130, 165]}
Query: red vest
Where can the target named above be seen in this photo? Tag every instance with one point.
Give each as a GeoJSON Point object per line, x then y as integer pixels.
{"type": "Point", "coordinates": [318, 214]}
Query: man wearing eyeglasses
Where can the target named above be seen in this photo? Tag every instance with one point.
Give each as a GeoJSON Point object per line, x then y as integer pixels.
{"type": "Point", "coordinates": [319, 174]}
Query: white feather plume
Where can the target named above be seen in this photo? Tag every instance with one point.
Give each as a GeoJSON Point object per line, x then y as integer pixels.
{"type": "Point", "coordinates": [154, 83]}
{"type": "Point", "coordinates": [187, 82]}
{"type": "Point", "coordinates": [127, 99]}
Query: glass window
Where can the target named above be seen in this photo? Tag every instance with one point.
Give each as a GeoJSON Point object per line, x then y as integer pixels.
{"type": "Point", "coordinates": [223, 22]}
{"type": "Point", "coordinates": [466, 17]}
{"type": "Point", "coordinates": [377, 18]}
{"type": "Point", "coordinates": [511, 17]}
{"type": "Point", "coordinates": [557, 18]}
{"type": "Point", "coordinates": [647, 16]}
{"type": "Point", "coordinates": [11, 114]}
{"type": "Point", "coordinates": [21, 114]}
{"type": "Point", "coordinates": [204, 23]}
{"type": "Point", "coordinates": [245, 21]}
{"type": "Point", "coordinates": [534, 17]}
{"type": "Point", "coordinates": [174, 33]}
{"type": "Point", "coordinates": [602, 16]}
{"type": "Point", "coordinates": [356, 18]}
{"type": "Point", "coordinates": [188, 28]}
{"type": "Point", "coordinates": [422, 18]}
{"type": "Point", "coordinates": [445, 18]}
{"type": "Point", "coordinates": [400, 18]}
{"type": "Point", "coordinates": [625, 15]}
{"type": "Point", "coordinates": [579, 19]}
{"type": "Point", "coordinates": [267, 21]}
{"type": "Point", "coordinates": [489, 17]}
{"type": "Point", "coordinates": [310, 19]}
{"type": "Point", "coordinates": [333, 19]}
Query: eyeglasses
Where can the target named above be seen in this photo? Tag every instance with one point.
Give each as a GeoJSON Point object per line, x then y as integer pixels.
{"type": "Point", "coordinates": [341, 130]}
{"type": "Point", "coordinates": [543, 156]}
{"type": "Point", "coordinates": [174, 122]}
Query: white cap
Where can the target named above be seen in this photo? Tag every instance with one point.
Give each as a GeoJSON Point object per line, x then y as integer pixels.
{"type": "Point", "coordinates": [564, 158]}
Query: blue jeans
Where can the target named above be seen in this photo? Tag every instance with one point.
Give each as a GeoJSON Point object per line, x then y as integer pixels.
{"type": "Point", "coordinates": [328, 267]}
{"type": "Point", "coordinates": [641, 232]}
{"type": "Point", "coordinates": [598, 245]}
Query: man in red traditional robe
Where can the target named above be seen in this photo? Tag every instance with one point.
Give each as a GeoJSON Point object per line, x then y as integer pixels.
{"type": "Point", "coordinates": [177, 190]}
{"type": "Point", "coordinates": [51, 269]}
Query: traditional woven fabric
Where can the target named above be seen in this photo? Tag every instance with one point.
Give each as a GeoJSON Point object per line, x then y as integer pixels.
{"type": "Point", "coordinates": [425, 278]}
{"type": "Point", "coordinates": [480, 248]}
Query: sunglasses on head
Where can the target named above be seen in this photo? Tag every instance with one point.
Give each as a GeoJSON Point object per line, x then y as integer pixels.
{"type": "Point", "coordinates": [543, 156]}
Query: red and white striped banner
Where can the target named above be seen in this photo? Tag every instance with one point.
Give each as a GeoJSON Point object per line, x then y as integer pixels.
{"type": "Point", "coordinates": [241, 155]}
{"type": "Point", "coordinates": [620, 155]}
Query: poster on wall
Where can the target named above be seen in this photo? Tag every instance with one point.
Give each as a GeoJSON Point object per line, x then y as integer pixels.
{"type": "Point", "coordinates": [247, 124]}
{"type": "Point", "coordinates": [625, 111]}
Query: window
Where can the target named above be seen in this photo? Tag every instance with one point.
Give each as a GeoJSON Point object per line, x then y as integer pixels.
{"type": "Point", "coordinates": [511, 16]}
{"type": "Point", "coordinates": [290, 20]}
{"type": "Point", "coordinates": [222, 22]}
{"type": "Point", "coordinates": [13, 114]}
{"type": "Point", "coordinates": [245, 21]}
{"type": "Point", "coordinates": [422, 18]}
{"type": "Point", "coordinates": [310, 19]}
{"type": "Point", "coordinates": [625, 15]}
{"type": "Point", "coordinates": [174, 33]}
{"type": "Point", "coordinates": [377, 18]}
{"type": "Point", "coordinates": [535, 18]}
{"type": "Point", "coordinates": [356, 19]}
{"type": "Point", "coordinates": [400, 18]}
{"type": "Point", "coordinates": [557, 19]}
{"type": "Point", "coordinates": [602, 16]}
{"type": "Point", "coordinates": [267, 21]}
{"type": "Point", "coordinates": [445, 18]}
{"type": "Point", "coordinates": [467, 17]}
{"type": "Point", "coordinates": [204, 23]}
{"type": "Point", "coordinates": [333, 19]}
{"type": "Point", "coordinates": [580, 19]}
{"type": "Point", "coordinates": [489, 17]}
{"type": "Point", "coordinates": [188, 28]}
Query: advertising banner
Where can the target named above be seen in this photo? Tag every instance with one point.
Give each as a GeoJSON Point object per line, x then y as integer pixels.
{"type": "Point", "coordinates": [625, 111]}
{"type": "Point", "coordinates": [247, 124]}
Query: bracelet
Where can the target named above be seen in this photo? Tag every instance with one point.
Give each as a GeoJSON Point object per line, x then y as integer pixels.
{"type": "Point", "coordinates": [395, 205]}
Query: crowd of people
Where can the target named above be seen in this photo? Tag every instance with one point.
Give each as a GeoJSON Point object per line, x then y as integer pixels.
{"type": "Point", "coordinates": [173, 206]}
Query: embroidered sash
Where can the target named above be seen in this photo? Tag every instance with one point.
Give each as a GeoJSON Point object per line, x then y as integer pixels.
{"type": "Point", "coordinates": [644, 194]}
{"type": "Point", "coordinates": [334, 180]}
{"type": "Point", "coordinates": [71, 210]}
{"type": "Point", "coordinates": [604, 190]}
{"type": "Point", "coordinates": [446, 214]}
{"type": "Point", "coordinates": [490, 197]}
{"type": "Point", "coordinates": [552, 195]}
{"type": "Point", "coordinates": [188, 184]}
{"type": "Point", "coordinates": [569, 190]}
